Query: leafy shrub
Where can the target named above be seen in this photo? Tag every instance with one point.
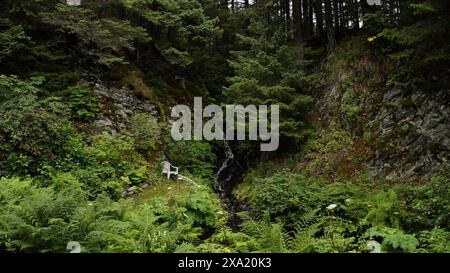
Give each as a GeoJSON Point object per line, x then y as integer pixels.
{"type": "Point", "coordinates": [227, 241]}
{"type": "Point", "coordinates": [146, 132]}
{"type": "Point", "coordinates": [393, 240]}
{"type": "Point", "coordinates": [204, 210]}
{"type": "Point", "coordinates": [57, 83]}
{"type": "Point", "coordinates": [350, 107]}
{"type": "Point", "coordinates": [373, 207]}
{"type": "Point", "coordinates": [63, 181]}
{"type": "Point", "coordinates": [117, 152]}
{"type": "Point", "coordinates": [285, 196]}
{"type": "Point", "coordinates": [32, 131]}
{"type": "Point", "coordinates": [81, 102]}
{"type": "Point", "coordinates": [313, 233]}
{"type": "Point", "coordinates": [436, 240]}
{"type": "Point", "coordinates": [109, 164]}
{"type": "Point", "coordinates": [197, 157]}
{"type": "Point", "coordinates": [426, 206]}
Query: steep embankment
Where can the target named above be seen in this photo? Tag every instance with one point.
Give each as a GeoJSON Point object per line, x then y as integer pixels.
{"type": "Point", "coordinates": [367, 125]}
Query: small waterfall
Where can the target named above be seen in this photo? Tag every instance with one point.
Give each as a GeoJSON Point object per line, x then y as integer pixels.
{"type": "Point", "coordinates": [229, 175]}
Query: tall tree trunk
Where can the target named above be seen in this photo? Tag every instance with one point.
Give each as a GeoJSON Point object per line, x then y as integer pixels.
{"type": "Point", "coordinates": [331, 39]}
{"type": "Point", "coordinates": [304, 10]}
{"type": "Point", "coordinates": [287, 7]}
{"type": "Point", "coordinates": [308, 26]}
{"type": "Point", "coordinates": [297, 20]}
{"type": "Point", "coordinates": [336, 4]}
{"type": "Point", "coordinates": [355, 9]}
{"type": "Point", "coordinates": [319, 18]}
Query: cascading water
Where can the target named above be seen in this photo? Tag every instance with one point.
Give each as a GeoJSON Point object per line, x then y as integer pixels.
{"type": "Point", "coordinates": [230, 175]}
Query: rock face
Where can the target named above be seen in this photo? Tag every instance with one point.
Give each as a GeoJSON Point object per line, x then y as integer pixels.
{"type": "Point", "coordinates": [116, 106]}
{"type": "Point", "coordinates": [412, 133]}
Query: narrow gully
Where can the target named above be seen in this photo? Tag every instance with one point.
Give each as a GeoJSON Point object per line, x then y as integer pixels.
{"type": "Point", "coordinates": [229, 175]}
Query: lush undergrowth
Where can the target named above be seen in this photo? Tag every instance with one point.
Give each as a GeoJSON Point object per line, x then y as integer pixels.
{"type": "Point", "coordinates": [62, 181]}
{"type": "Point", "coordinates": [71, 191]}
{"type": "Point", "coordinates": [347, 215]}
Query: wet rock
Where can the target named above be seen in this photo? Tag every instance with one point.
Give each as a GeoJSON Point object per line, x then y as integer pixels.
{"type": "Point", "coordinates": [105, 122]}
{"type": "Point", "coordinates": [391, 94]}
{"type": "Point", "coordinates": [117, 105]}
{"type": "Point", "coordinates": [416, 128]}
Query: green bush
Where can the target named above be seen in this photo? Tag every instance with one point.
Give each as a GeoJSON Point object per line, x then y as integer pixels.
{"type": "Point", "coordinates": [57, 83]}
{"type": "Point", "coordinates": [109, 165]}
{"type": "Point", "coordinates": [202, 208]}
{"type": "Point", "coordinates": [285, 197]}
{"type": "Point", "coordinates": [426, 206]}
{"type": "Point", "coordinates": [81, 102]}
{"type": "Point", "coordinates": [393, 240]}
{"type": "Point", "coordinates": [33, 131]}
{"type": "Point", "coordinates": [197, 157]}
{"type": "Point", "coordinates": [146, 132]}
{"type": "Point", "coordinates": [436, 240]}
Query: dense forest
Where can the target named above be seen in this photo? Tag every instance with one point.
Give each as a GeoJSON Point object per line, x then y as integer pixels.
{"type": "Point", "coordinates": [87, 89]}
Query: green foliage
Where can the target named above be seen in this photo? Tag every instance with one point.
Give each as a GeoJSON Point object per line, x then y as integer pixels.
{"type": "Point", "coordinates": [284, 198]}
{"type": "Point", "coordinates": [104, 40]}
{"type": "Point", "coordinates": [56, 83]}
{"type": "Point", "coordinates": [186, 21]}
{"type": "Point", "coordinates": [424, 8]}
{"type": "Point", "coordinates": [35, 219]}
{"type": "Point", "coordinates": [376, 22]}
{"type": "Point", "coordinates": [435, 241]}
{"type": "Point", "coordinates": [267, 71]}
{"type": "Point", "coordinates": [146, 132]}
{"type": "Point", "coordinates": [12, 38]}
{"type": "Point", "coordinates": [350, 106]}
{"type": "Point", "coordinates": [227, 241]}
{"type": "Point", "coordinates": [201, 208]}
{"type": "Point", "coordinates": [271, 237]}
{"type": "Point", "coordinates": [81, 102]}
{"type": "Point", "coordinates": [109, 164]}
{"type": "Point", "coordinates": [344, 216]}
{"type": "Point", "coordinates": [37, 138]}
{"type": "Point", "coordinates": [408, 44]}
{"type": "Point", "coordinates": [197, 157]}
{"type": "Point", "coordinates": [313, 233]}
{"type": "Point", "coordinates": [59, 185]}
{"type": "Point", "coordinates": [328, 142]}
{"type": "Point", "coordinates": [393, 240]}
{"type": "Point", "coordinates": [426, 206]}
{"type": "Point", "coordinates": [33, 131]}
